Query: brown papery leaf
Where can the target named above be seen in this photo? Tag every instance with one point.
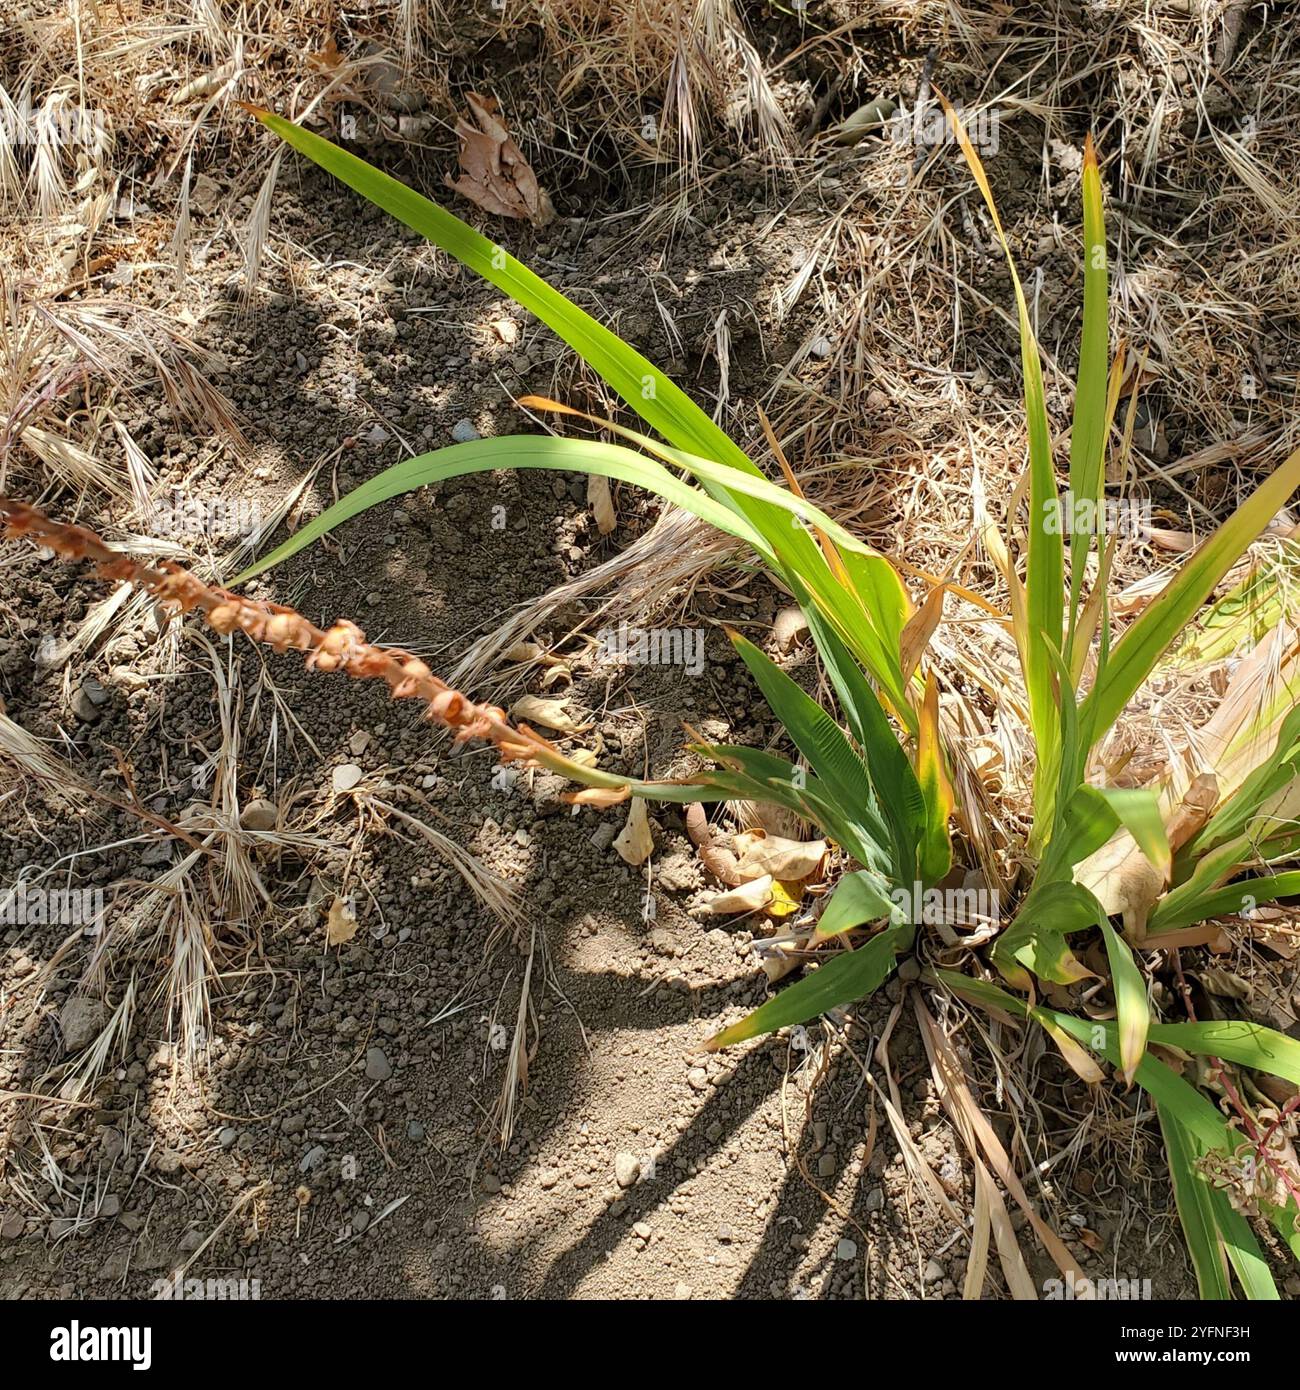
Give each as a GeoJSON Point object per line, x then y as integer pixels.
{"type": "Point", "coordinates": [792, 860]}
{"type": "Point", "coordinates": [341, 924]}
{"type": "Point", "coordinates": [601, 502]}
{"type": "Point", "coordinates": [748, 897]}
{"type": "Point", "coordinates": [550, 714]}
{"type": "Point", "coordinates": [635, 844]}
{"type": "Point", "coordinates": [494, 173]}
{"type": "Point", "coordinates": [1123, 881]}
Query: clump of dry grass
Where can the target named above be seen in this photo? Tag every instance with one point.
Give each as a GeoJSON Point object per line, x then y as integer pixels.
{"type": "Point", "coordinates": [672, 78]}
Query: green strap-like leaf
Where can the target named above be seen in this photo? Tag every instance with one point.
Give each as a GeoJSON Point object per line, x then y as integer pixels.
{"type": "Point", "coordinates": [817, 736]}
{"type": "Point", "coordinates": [1167, 615]}
{"type": "Point", "coordinates": [1172, 912]}
{"type": "Point", "coordinates": [898, 791]}
{"type": "Point", "coordinates": [848, 976]}
{"type": "Point", "coordinates": [653, 395]}
{"type": "Point", "coordinates": [1132, 1011]}
{"type": "Point", "coordinates": [859, 897]}
{"type": "Point", "coordinates": [514, 451]}
{"type": "Point", "coordinates": [1088, 432]}
{"type": "Point", "coordinates": [1198, 1212]}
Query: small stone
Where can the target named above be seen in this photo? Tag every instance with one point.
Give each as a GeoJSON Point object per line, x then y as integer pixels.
{"type": "Point", "coordinates": [111, 1205]}
{"type": "Point", "coordinates": [157, 854]}
{"type": "Point", "coordinates": [934, 1272]}
{"type": "Point", "coordinates": [826, 1166]}
{"type": "Point", "coordinates": [360, 1220]}
{"type": "Point", "coordinates": [415, 1130]}
{"type": "Point", "coordinates": [726, 1235]}
{"type": "Point", "coordinates": [698, 1078]}
{"type": "Point", "coordinates": [83, 706]}
{"type": "Point", "coordinates": [227, 1137]}
{"type": "Point", "coordinates": [846, 1249]}
{"type": "Point", "coordinates": [81, 1020]}
{"type": "Point", "coordinates": [312, 1159]}
{"type": "Point", "coordinates": [909, 970]}
{"type": "Point", "coordinates": [293, 1124]}
{"type": "Point", "coordinates": [547, 1178]}
{"type": "Point", "coordinates": [875, 1199]}
{"type": "Point", "coordinates": [345, 777]}
{"type": "Point", "coordinates": [821, 347]}
{"type": "Point", "coordinates": [491, 1183]}
{"type": "Point", "coordinates": [642, 1229]}
{"type": "Point", "coordinates": [359, 742]}
{"type": "Point", "coordinates": [259, 814]}
{"type": "Point", "coordinates": [682, 1290]}
{"type": "Point", "coordinates": [378, 1067]}
{"type": "Point", "coordinates": [13, 1225]}
{"type": "Point", "coordinates": [463, 431]}
{"type": "Point", "coordinates": [205, 194]}
{"type": "Point", "coordinates": [627, 1169]}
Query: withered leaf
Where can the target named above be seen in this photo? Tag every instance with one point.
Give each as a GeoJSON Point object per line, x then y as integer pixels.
{"type": "Point", "coordinates": [341, 924]}
{"type": "Point", "coordinates": [550, 714]}
{"type": "Point", "coordinates": [494, 173]}
{"type": "Point", "coordinates": [635, 844]}
{"type": "Point", "coordinates": [793, 860]}
{"type": "Point", "coordinates": [748, 897]}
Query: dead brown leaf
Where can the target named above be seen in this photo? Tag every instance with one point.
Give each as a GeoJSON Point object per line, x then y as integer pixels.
{"type": "Point", "coordinates": [341, 924]}
{"type": "Point", "coordinates": [635, 844]}
{"type": "Point", "coordinates": [494, 173]}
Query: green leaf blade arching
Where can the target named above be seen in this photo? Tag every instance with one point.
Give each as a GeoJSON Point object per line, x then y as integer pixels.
{"type": "Point", "coordinates": [1197, 1214]}
{"type": "Point", "coordinates": [654, 396]}
{"type": "Point", "coordinates": [847, 977]}
{"type": "Point", "coordinates": [514, 451]}
{"type": "Point", "coordinates": [1045, 565]}
{"type": "Point", "coordinates": [1160, 623]}
{"type": "Point", "coordinates": [1088, 433]}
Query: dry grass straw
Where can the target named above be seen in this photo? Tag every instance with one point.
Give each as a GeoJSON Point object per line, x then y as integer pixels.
{"type": "Point", "coordinates": [672, 79]}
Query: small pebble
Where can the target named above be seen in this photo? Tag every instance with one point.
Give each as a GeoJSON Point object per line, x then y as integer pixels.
{"type": "Point", "coordinates": [627, 1169]}
{"type": "Point", "coordinates": [345, 777]}
{"type": "Point", "coordinates": [259, 814]}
